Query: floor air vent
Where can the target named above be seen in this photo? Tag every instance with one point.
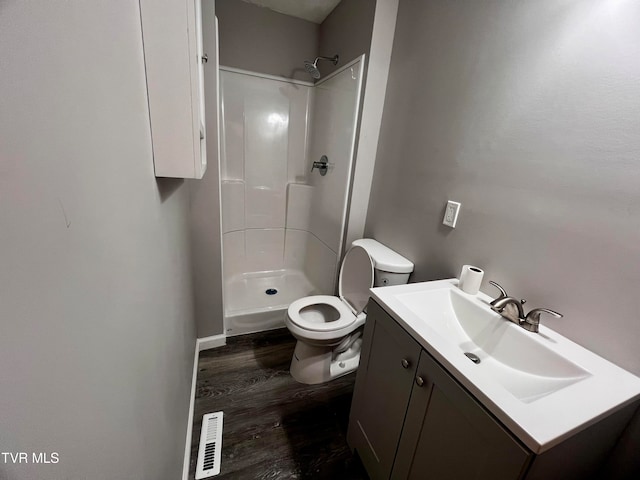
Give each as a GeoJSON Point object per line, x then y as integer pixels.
{"type": "Point", "coordinates": [210, 448]}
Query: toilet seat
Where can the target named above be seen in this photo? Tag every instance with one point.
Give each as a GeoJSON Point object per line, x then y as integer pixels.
{"type": "Point", "coordinates": [325, 316]}
{"type": "Point", "coordinates": [311, 319]}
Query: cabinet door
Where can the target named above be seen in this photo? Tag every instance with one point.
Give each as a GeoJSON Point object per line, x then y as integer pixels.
{"type": "Point", "coordinates": [171, 35]}
{"type": "Point", "coordinates": [448, 435]}
{"type": "Point", "coordinates": [196, 66]}
{"type": "Point", "coordinates": [382, 391]}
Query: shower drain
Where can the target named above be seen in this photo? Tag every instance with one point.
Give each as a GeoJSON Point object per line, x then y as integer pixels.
{"type": "Point", "coordinates": [271, 291]}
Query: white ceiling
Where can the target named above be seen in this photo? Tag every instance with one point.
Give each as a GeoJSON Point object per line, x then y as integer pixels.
{"type": "Point", "coordinates": [313, 10]}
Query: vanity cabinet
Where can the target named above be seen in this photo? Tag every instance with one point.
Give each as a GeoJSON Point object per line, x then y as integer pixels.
{"type": "Point", "coordinates": [388, 364]}
{"type": "Point", "coordinates": [448, 435]}
{"type": "Point", "coordinates": [410, 419]}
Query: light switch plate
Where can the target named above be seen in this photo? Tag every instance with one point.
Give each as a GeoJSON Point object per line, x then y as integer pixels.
{"type": "Point", "coordinates": [451, 214]}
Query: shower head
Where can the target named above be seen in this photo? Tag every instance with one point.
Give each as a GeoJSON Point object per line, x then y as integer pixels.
{"type": "Point", "coordinates": [312, 67]}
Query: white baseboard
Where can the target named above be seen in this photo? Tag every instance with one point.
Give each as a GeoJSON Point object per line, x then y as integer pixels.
{"type": "Point", "coordinates": [205, 343]}
{"type": "Point", "coordinates": [187, 444]}
{"type": "Point", "coordinates": [214, 341]}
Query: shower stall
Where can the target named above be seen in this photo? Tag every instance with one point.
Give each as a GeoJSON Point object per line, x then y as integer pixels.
{"type": "Point", "coordinates": [287, 150]}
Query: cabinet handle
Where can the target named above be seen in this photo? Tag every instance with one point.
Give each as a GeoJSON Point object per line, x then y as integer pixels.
{"type": "Point", "coordinates": [419, 381]}
{"type": "Point", "coordinates": [405, 363]}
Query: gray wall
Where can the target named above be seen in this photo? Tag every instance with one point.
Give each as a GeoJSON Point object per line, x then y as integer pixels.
{"type": "Point", "coordinates": [205, 205]}
{"type": "Point", "coordinates": [347, 32]}
{"type": "Point", "coordinates": [527, 113]}
{"type": "Point", "coordinates": [97, 340]}
{"type": "Point", "coordinates": [261, 40]}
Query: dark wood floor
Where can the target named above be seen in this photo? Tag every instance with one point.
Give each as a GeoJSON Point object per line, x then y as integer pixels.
{"type": "Point", "coordinates": [274, 427]}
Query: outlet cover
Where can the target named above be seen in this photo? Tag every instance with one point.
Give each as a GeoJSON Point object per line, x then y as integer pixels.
{"type": "Point", "coordinates": [451, 214]}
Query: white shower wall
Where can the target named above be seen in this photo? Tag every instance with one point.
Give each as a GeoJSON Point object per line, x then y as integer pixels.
{"type": "Point", "coordinates": [282, 224]}
{"type": "Point", "coordinates": [335, 109]}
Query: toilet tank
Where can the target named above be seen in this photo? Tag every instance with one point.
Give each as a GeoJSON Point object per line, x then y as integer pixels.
{"type": "Point", "coordinates": [390, 268]}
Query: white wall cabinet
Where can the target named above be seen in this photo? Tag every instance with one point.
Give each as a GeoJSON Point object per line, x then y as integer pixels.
{"type": "Point", "coordinates": [172, 37]}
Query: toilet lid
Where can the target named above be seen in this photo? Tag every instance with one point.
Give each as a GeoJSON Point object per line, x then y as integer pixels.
{"type": "Point", "coordinates": [356, 278]}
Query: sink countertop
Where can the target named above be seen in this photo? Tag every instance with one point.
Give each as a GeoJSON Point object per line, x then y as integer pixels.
{"type": "Point", "coordinates": [540, 423]}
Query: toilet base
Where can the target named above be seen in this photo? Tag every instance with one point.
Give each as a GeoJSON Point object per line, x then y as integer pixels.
{"type": "Point", "coordinates": [312, 365]}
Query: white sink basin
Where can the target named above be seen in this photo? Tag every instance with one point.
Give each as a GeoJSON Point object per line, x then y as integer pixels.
{"type": "Point", "coordinates": [511, 356]}
{"type": "Point", "coordinates": [542, 386]}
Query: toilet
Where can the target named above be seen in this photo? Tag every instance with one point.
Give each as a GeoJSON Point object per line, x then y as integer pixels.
{"type": "Point", "coordinates": [328, 328]}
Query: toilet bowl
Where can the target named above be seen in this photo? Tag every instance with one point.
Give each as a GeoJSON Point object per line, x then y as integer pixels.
{"type": "Point", "coordinates": [329, 328]}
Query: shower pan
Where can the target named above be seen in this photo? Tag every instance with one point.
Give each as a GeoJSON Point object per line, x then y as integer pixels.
{"type": "Point", "coordinates": [282, 221]}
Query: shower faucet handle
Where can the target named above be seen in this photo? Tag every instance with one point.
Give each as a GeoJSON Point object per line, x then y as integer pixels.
{"type": "Point", "coordinates": [318, 165]}
{"type": "Point", "coordinates": [322, 165]}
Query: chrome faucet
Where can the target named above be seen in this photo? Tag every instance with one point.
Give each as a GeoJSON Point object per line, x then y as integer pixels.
{"type": "Point", "coordinates": [512, 309]}
{"type": "Point", "coordinates": [322, 165]}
